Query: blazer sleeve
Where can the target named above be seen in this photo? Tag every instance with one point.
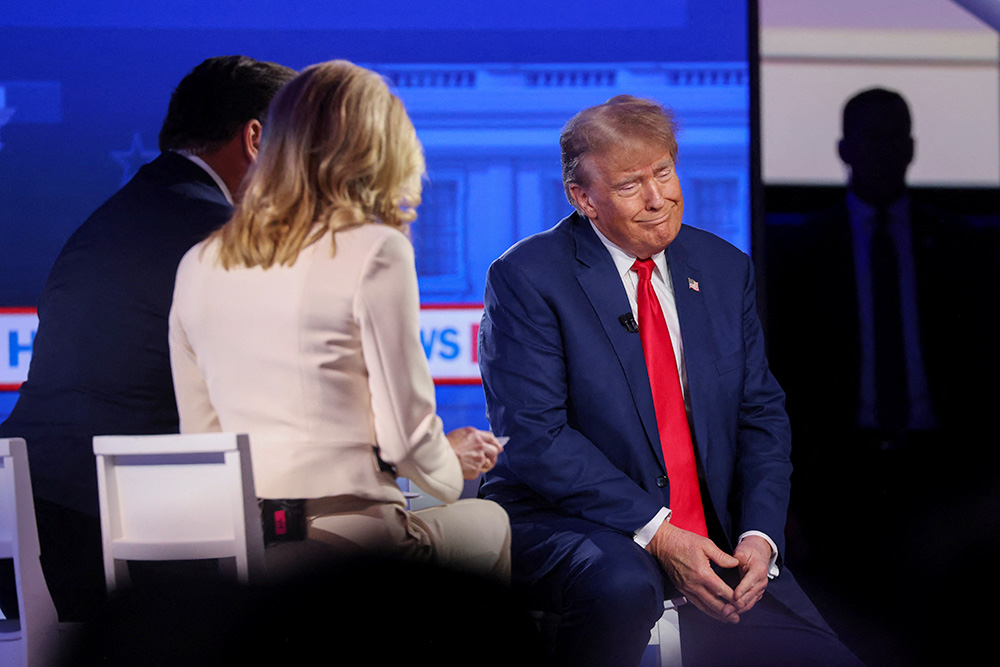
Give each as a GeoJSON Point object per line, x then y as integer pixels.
{"type": "Point", "coordinates": [526, 371]}
{"type": "Point", "coordinates": [408, 430]}
{"type": "Point", "coordinates": [764, 467]}
{"type": "Point", "coordinates": [197, 415]}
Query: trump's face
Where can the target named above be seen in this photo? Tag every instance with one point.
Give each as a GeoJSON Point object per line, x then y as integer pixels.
{"type": "Point", "coordinates": [633, 196]}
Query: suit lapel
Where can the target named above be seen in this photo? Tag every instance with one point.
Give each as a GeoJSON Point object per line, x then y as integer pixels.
{"type": "Point", "coordinates": [695, 326]}
{"type": "Point", "coordinates": [600, 281]}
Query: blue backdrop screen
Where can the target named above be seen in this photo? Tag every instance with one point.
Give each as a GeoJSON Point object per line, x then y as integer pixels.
{"type": "Point", "coordinates": [84, 87]}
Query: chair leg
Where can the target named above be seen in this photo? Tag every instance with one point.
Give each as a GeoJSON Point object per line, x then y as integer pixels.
{"type": "Point", "coordinates": [118, 578]}
{"type": "Point", "coordinates": [230, 569]}
{"type": "Point", "coordinates": [668, 633]}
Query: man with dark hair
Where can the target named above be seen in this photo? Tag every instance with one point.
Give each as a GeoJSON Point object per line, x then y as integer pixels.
{"type": "Point", "coordinates": [100, 362]}
{"type": "Point", "coordinates": [649, 448]}
{"type": "Point", "coordinates": [212, 103]}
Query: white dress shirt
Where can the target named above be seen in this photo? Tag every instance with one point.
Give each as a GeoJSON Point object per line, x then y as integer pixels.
{"type": "Point", "coordinates": [664, 289]}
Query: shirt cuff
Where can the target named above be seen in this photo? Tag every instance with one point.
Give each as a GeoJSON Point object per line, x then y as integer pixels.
{"type": "Point", "coordinates": [772, 565]}
{"type": "Point", "coordinates": [644, 535]}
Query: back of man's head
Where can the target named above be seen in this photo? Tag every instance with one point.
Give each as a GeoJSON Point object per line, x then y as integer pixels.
{"type": "Point", "coordinates": [216, 99]}
{"type": "Point", "coordinates": [877, 144]}
{"type": "Point", "coordinates": [876, 105]}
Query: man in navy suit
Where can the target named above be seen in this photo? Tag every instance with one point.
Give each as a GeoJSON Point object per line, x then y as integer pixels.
{"type": "Point", "coordinates": [595, 512]}
{"type": "Point", "coordinates": [100, 363]}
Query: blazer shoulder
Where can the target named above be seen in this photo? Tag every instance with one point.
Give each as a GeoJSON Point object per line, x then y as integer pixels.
{"type": "Point", "coordinates": [698, 243]}
{"type": "Point", "coordinates": [201, 258]}
{"type": "Point", "coordinates": [171, 187]}
{"type": "Point", "coordinates": [366, 243]}
{"type": "Point", "coordinates": [170, 167]}
{"type": "Point", "coordinates": [374, 234]}
{"type": "Point", "coordinates": [554, 245]}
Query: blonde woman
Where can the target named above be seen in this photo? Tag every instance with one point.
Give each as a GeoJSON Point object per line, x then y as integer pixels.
{"type": "Point", "coordinates": [297, 322]}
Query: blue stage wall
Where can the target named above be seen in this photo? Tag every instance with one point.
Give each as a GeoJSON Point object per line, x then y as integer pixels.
{"type": "Point", "coordinates": [84, 86]}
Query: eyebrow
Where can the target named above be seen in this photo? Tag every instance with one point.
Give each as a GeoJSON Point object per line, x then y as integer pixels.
{"type": "Point", "coordinates": [667, 163]}
{"type": "Point", "coordinates": [627, 180]}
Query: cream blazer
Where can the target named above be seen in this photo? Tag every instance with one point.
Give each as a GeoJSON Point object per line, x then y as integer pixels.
{"type": "Point", "coordinates": [319, 362]}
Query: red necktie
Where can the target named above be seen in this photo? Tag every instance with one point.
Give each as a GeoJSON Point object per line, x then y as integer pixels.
{"type": "Point", "coordinates": [687, 511]}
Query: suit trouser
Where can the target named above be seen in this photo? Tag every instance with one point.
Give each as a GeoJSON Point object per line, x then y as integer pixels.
{"type": "Point", "coordinates": [769, 635]}
{"type": "Point", "coordinates": [70, 547]}
{"type": "Point", "coordinates": [8, 590]}
{"type": "Point", "coordinates": [609, 593]}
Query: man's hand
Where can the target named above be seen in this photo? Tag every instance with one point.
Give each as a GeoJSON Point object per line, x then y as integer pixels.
{"type": "Point", "coordinates": [477, 450]}
{"type": "Point", "coordinates": [687, 558]}
{"type": "Point", "coordinates": [754, 553]}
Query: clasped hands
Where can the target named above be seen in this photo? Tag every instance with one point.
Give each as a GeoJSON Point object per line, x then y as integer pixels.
{"type": "Point", "coordinates": [687, 558]}
{"type": "Point", "coordinates": [477, 450]}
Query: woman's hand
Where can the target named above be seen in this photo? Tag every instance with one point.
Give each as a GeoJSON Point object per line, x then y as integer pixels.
{"type": "Point", "coordinates": [477, 450]}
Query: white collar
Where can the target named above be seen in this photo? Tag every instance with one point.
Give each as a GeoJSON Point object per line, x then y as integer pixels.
{"type": "Point", "coordinates": [211, 172]}
{"type": "Point", "coordinates": [624, 260]}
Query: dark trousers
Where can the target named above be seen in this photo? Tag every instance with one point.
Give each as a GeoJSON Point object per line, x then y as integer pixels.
{"type": "Point", "coordinates": [70, 546]}
{"type": "Point", "coordinates": [8, 591]}
{"type": "Point", "coordinates": [769, 635]}
{"type": "Point", "coordinates": [608, 593]}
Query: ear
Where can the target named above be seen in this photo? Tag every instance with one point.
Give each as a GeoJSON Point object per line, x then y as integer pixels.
{"type": "Point", "coordinates": [582, 199]}
{"type": "Point", "coordinates": [250, 136]}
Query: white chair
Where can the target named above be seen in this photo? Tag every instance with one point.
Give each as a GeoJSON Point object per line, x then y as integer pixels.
{"type": "Point", "coordinates": [416, 498]}
{"type": "Point", "coordinates": [178, 497]}
{"type": "Point", "coordinates": [32, 639]}
{"type": "Point", "coordinates": [666, 634]}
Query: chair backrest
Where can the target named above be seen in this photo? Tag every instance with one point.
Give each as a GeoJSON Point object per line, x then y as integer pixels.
{"type": "Point", "coordinates": [32, 638]}
{"type": "Point", "coordinates": [177, 497]}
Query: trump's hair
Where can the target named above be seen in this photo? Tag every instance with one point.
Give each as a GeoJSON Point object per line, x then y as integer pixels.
{"type": "Point", "coordinates": [621, 120]}
{"type": "Point", "coordinates": [338, 151]}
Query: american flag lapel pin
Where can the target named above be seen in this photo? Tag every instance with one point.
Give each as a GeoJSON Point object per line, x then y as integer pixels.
{"type": "Point", "coordinates": [693, 284]}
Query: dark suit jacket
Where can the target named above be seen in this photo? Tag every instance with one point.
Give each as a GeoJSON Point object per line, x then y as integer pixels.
{"type": "Point", "coordinates": [813, 324]}
{"type": "Point", "coordinates": [568, 383]}
{"type": "Point", "coordinates": [100, 363]}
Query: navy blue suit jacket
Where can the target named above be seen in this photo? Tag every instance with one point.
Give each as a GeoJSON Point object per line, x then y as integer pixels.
{"type": "Point", "coordinates": [100, 363]}
{"type": "Point", "coordinates": [567, 383]}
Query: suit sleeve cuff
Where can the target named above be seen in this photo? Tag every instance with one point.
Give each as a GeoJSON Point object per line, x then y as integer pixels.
{"type": "Point", "coordinates": [644, 535]}
{"type": "Point", "coordinates": [772, 565]}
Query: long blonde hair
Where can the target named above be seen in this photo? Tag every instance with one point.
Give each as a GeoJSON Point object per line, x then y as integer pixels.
{"type": "Point", "coordinates": [338, 151]}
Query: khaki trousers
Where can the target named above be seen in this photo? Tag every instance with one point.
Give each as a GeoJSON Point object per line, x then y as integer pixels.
{"type": "Point", "coordinates": [469, 535]}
